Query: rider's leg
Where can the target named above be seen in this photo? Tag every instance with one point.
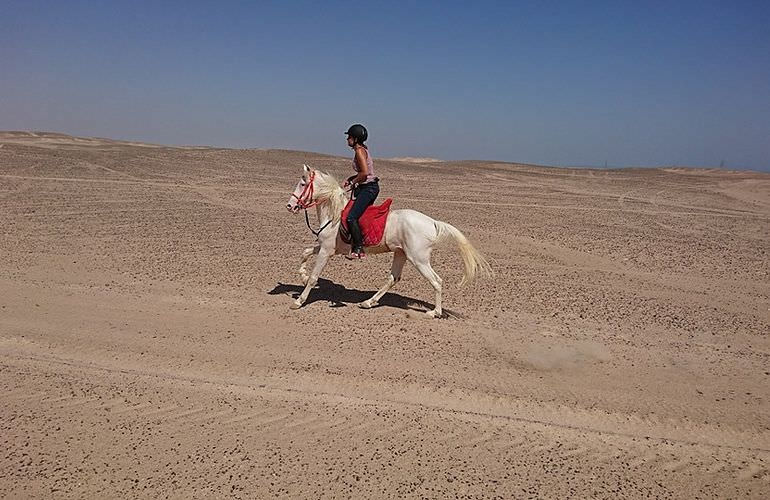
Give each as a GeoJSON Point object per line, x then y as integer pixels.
{"type": "Point", "coordinates": [356, 238]}
{"type": "Point", "coordinates": [365, 196]}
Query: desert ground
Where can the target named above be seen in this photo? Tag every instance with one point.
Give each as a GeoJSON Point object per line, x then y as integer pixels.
{"type": "Point", "coordinates": [147, 348]}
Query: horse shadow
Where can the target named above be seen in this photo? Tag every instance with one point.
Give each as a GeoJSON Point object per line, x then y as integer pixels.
{"type": "Point", "coordinates": [339, 296]}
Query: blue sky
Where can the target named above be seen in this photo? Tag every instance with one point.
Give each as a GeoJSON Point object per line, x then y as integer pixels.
{"type": "Point", "coordinates": [562, 83]}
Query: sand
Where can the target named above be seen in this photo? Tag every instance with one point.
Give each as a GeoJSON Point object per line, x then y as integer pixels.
{"type": "Point", "coordinates": [147, 349]}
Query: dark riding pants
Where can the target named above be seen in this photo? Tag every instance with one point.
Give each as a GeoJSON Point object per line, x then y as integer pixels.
{"type": "Point", "coordinates": [365, 195]}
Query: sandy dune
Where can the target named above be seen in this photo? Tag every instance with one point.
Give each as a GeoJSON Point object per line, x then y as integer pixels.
{"type": "Point", "coordinates": [147, 348]}
{"type": "Point", "coordinates": [412, 159]}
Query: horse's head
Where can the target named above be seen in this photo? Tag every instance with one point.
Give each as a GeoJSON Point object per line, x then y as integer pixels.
{"type": "Point", "coordinates": [303, 195]}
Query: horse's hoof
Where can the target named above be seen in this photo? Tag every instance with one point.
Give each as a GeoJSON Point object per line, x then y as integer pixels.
{"type": "Point", "coordinates": [366, 304]}
{"type": "Point", "coordinates": [295, 305]}
{"type": "Point", "coordinates": [433, 314]}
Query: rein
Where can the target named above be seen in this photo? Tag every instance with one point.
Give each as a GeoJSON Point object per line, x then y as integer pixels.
{"type": "Point", "coordinates": [316, 233]}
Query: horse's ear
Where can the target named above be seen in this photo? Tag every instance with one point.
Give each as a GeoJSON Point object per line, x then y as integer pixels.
{"type": "Point", "coordinates": [307, 169]}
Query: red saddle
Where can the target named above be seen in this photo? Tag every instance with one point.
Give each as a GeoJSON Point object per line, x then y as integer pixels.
{"type": "Point", "coordinates": [372, 222]}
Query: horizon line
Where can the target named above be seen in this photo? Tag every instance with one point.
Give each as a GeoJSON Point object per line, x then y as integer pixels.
{"type": "Point", "coordinates": [405, 158]}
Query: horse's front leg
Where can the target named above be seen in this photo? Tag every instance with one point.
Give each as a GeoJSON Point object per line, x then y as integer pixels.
{"type": "Point", "coordinates": [320, 263]}
{"type": "Point", "coordinates": [306, 254]}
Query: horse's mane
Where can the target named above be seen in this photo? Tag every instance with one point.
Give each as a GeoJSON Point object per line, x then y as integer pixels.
{"type": "Point", "coordinates": [328, 189]}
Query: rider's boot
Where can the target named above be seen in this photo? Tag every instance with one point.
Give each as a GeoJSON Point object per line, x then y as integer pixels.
{"type": "Point", "coordinates": [356, 240]}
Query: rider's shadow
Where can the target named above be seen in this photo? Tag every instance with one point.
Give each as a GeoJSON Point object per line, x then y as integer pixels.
{"type": "Point", "coordinates": [339, 296]}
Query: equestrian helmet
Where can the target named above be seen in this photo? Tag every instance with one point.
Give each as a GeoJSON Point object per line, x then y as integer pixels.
{"type": "Point", "coordinates": [358, 132]}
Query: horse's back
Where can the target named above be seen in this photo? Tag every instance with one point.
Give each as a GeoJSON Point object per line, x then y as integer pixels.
{"type": "Point", "coordinates": [405, 225]}
{"type": "Point", "coordinates": [410, 217]}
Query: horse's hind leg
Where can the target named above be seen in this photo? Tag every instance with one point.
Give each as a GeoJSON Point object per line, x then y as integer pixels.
{"type": "Point", "coordinates": [306, 254]}
{"type": "Point", "coordinates": [423, 265]}
{"type": "Point", "coordinates": [399, 258]}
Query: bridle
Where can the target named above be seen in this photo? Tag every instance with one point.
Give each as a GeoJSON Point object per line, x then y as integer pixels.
{"type": "Point", "coordinates": [305, 201]}
{"type": "Point", "coordinates": [305, 198]}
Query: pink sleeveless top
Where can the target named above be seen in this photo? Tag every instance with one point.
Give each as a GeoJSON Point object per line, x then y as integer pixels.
{"type": "Point", "coordinates": [370, 177]}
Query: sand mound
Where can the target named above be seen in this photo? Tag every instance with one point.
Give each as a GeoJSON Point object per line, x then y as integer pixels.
{"type": "Point", "coordinates": [55, 140]}
{"type": "Point", "coordinates": [410, 159]}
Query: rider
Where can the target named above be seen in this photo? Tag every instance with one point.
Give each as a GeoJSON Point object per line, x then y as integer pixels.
{"type": "Point", "coordinates": [364, 184]}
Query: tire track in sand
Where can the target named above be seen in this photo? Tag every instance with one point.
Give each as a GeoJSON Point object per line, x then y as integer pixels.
{"type": "Point", "coordinates": [299, 416]}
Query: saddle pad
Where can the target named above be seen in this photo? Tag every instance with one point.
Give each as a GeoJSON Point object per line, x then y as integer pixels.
{"type": "Point", "coordinates": [372, 222]}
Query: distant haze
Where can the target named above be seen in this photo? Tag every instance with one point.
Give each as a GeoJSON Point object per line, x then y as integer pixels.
{"type": "Point", "coordinates": [558, 83]}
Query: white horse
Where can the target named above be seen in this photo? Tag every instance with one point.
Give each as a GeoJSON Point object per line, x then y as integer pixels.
{"type": "Point", "coordinates": [409, 234]}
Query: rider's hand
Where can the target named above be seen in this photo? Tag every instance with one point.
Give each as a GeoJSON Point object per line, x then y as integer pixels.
{"type": "Point", "coordinates": [346, 183]}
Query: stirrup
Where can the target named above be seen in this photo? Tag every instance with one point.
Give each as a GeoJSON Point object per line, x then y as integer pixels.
{"type": "Point", "coordinates": [353, 255]}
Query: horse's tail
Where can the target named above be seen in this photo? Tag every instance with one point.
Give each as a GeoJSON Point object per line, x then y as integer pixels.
{"type": "Point", "coordinates": [474, 262]}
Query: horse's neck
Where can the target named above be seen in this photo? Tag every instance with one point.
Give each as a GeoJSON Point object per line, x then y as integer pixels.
{"type": "Point", "coordinates": [327, 211]}
{"type": "Point", "coordinates": [324, 214]}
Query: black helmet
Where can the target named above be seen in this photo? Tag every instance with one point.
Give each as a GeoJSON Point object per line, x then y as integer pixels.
{"type": "Point", "coordinates": [358, 132]}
